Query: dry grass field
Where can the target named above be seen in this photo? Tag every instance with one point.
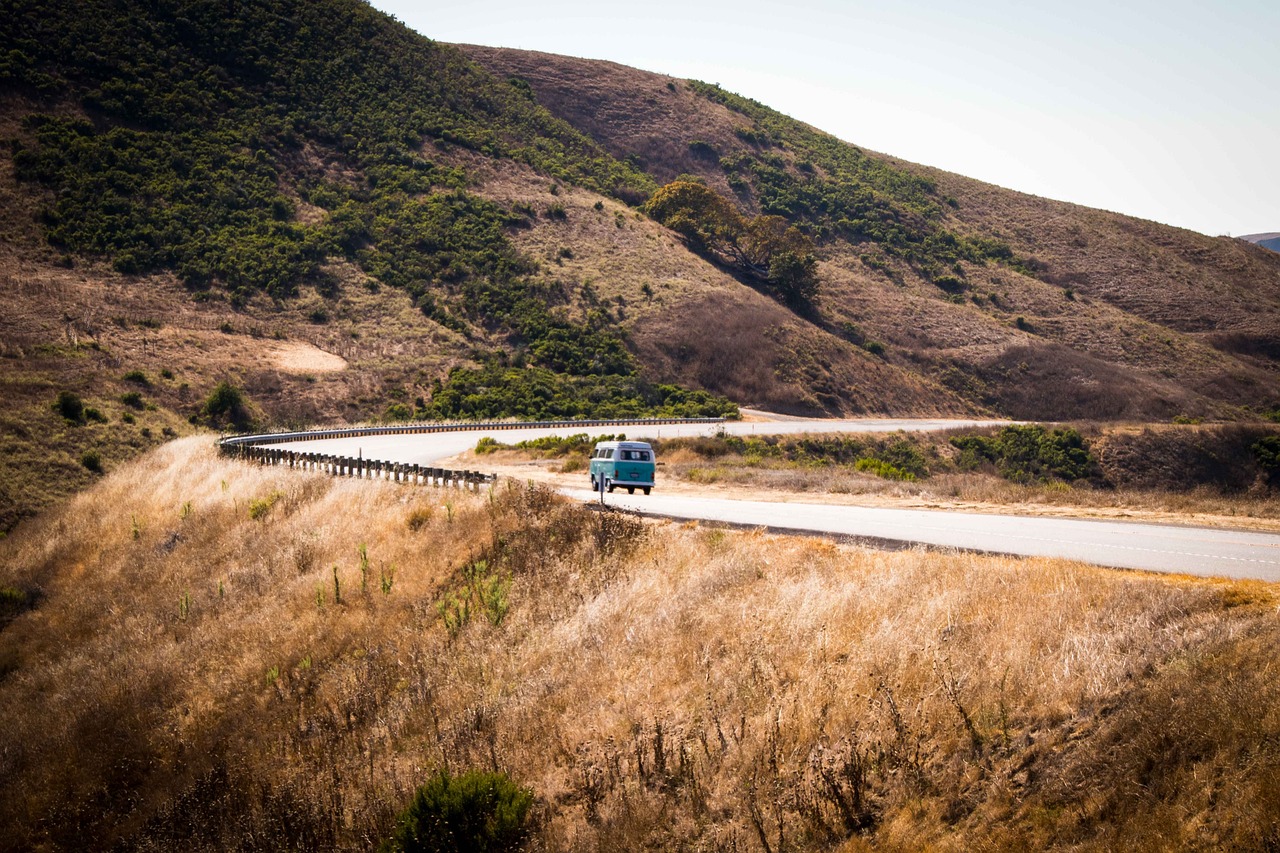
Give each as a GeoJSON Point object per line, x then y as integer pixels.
{"type": "Point", "coordinates": [205, 653]}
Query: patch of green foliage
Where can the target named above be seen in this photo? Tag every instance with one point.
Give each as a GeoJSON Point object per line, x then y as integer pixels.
{"type": "Point", "coordinates": [836, 189]}
{"type": "Point", "coordinates": [1029, 453]}
{"type": "Point", "coordinates": [1266, 452]}
{"type": "Point", "coordinates": [766, 248]}
{"type": "Point", "coordinates": [205, 124]}
{"type": "Point", "coordinates": [537, 393]}
{"type": "Point", "coordinates": [895, 457]}
{"type": "Point", "coordinates": [202, 115]}
{"type": "Point", "coordinates": [70, 406]}
{"type": "Point", "coordinates": [476, 812]}
{"type": "Point", "coordinates": [226, 404]}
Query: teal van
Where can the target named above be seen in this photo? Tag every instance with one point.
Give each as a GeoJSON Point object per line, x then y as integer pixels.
{"type": "Point", "coordinates": [626, 464]}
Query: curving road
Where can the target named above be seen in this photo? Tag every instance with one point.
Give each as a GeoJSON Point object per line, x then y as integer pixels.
{"type": "Point", "coordinates": [1202, 551]}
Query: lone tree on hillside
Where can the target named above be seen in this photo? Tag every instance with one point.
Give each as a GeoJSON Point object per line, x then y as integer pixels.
{"type": "Point", "coordinates": [766, 248]}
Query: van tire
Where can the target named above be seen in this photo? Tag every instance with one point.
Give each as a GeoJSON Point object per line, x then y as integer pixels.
{"type": "Point", "coordinates": [631, 490]}
{"type": "Point", "coordinates": [608, 484]}
{"type": "Point", "coordinates": [646, 490]}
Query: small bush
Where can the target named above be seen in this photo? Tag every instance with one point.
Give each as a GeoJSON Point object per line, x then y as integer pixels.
{"type": "Point", "coordinates": [259, 507]}
{"type": "Point", "coordinates": [487, 445]}
{"type": "Point", "coordinates": [137, 377]}
{"type": "Point", "coordinates": [70, 406]}
{"type": "Point", "coordinates": [132, 399]}
{"type": "Point", "coordinates": [474, 812]}
{"type": "Point", "coordinates": [398, 412]}
{"type": "Point", "coordinates": [226, 401]}
{"type": "Point", "coordinates": [92, 461]}
{"type": "Point", "coordinates": [418, 518]}
{"type": "Point", "coordinates": [92, 414]}
{"type": "Point", "coordinates": [1266, 451]}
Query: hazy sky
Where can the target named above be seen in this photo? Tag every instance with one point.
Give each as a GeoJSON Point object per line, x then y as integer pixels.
{"type": "Point", "coordinates": [1166, 110]}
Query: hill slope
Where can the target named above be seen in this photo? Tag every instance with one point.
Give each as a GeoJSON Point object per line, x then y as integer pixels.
{"type": "Point", "coordinates": [343, 220]}
{"type": "Point", "coordinates": [234, 657]}
{"type": "Point", "coordinates": [1109, 316]}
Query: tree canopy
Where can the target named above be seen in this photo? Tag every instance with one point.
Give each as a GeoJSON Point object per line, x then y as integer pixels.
{"type": "Point", "coordinates": [766, 248]}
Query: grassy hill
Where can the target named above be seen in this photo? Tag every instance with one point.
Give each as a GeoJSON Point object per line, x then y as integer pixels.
{"type": "Point", "coordinates": [196, 652]}
{"type": "Point", "coordinates": [1059, 312]}
{"type": "Point", "coordinates": [342, 220]}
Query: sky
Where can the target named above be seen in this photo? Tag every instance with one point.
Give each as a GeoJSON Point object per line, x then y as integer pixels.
{"type": "Point", "coordinates": [1166, 110]}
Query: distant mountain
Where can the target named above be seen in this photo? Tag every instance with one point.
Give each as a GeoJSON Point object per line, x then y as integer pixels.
{"type": "Point", "coordinates": [1269, 240]}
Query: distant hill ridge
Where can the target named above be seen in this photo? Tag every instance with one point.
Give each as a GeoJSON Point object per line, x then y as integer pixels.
{"type": "Point", "coordinates": [1270, 240]}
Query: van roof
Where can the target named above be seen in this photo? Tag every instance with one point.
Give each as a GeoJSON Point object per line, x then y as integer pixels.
{"type": "Point", "coordinates": [635, 444]}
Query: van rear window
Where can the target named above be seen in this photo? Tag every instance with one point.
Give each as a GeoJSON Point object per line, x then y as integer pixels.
{"type": "Point", "coordinates": [636, 455]}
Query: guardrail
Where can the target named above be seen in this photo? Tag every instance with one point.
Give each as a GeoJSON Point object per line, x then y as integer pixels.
{"type": "Point", "coordinates": [251, 448]}
{"type": "Point", "coordinates": [360, 468]}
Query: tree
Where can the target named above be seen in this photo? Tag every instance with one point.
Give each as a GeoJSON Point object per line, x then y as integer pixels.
{"type": "Point", "coordinates": [767, 248]}
{"type": "Point", "coordinates": [696, 212]}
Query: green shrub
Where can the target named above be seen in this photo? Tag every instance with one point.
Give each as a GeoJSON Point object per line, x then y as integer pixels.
{"type": "Point", "coordinates": [95, 415]}
{"type": "Point", "coordinates": [92, 461]}
{"type": "Point", "coordinates": [1266, 451]}
{"type": "Point", "coordinates": [883, 469]}
{"type": "Point", "coordinates": [70, 406]}
{"type": "Point", "coordinates": [475, 812]}
{"type": "Point", "coordinates": [398, 412]}
{"type": "Point", "coordinates": [137, 377]}
{"type": "Point", "coordinates": [132, 399]}
{"type": "Point", "coordinates": [1029, 453]}
{"type": "Point", "coordinates": [226, 402]}
{"type": "Point", "coordinates": [259, 507]}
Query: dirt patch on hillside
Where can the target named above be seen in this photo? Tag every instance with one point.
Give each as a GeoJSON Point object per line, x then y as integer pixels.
{"type": "Point", "coordinates": [305, 358]}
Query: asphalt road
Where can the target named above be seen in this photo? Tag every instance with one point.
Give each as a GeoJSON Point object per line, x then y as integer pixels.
{"type": "Point", "coordinates": [1131, 545]}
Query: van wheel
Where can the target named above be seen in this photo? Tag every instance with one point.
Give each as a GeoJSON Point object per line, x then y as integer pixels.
{"type": "Point", "coordinates": [646, 490]}
{"type": "Point", "coordinates": [608, 484]}
{"type": "Point", "coordinates": [631, 490]}
{"type": "Point", "coordinates": [594, 487]}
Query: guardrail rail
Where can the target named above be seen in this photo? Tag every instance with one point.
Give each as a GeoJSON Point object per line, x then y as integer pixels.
{"type": "Point", "coordinates": [256, 448]}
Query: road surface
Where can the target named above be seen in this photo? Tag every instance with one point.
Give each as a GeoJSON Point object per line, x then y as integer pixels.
{"type": "Point", "coordinates": [1132, 545]}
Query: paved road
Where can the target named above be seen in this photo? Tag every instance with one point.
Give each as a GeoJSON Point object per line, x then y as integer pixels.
{"type": "Point", "coordinates": [1166, 548]}
{"type": "Point", "coordinates": [430, 447]}
{"type": "Point", "coordinates": [1130, 545]}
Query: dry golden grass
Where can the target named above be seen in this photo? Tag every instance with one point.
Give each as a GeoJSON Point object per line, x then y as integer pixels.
{"type": "Point", "coordinates": [188, 675]}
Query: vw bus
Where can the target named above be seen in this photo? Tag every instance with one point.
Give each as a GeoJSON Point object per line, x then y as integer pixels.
{"type": "Point", "coordinates": [622, 464]}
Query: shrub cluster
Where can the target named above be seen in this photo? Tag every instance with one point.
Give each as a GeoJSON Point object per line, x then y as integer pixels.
{"type": "Point", "coordinates": [476, 812]}
{"type": "Point", "coordinates": [766, 248]}
{"type": "Point", "coordinates": [848, 194]}
{"type": "Point", "coordinates": [1029, 453]}
{"type": "Point", "coordinates": [537, 393]}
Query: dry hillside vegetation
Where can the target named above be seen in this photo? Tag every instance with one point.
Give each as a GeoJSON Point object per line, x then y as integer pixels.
{"type": "Point", "coordinates": [691, 321]}
{"type": "Point", "coordinates": [1119, 318]}
{"type": "Point", "coordinates": [197, 651]}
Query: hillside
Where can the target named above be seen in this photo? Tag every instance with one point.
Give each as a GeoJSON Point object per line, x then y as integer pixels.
{"type": "Point", "coordinates": [324, 217]}
{"type": "Point", "coordinates": [1270, 240]}
{"type": "Point", "coordinates": [231, 657]}
{"type": "Point", "coordinates": [1107, 317]}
